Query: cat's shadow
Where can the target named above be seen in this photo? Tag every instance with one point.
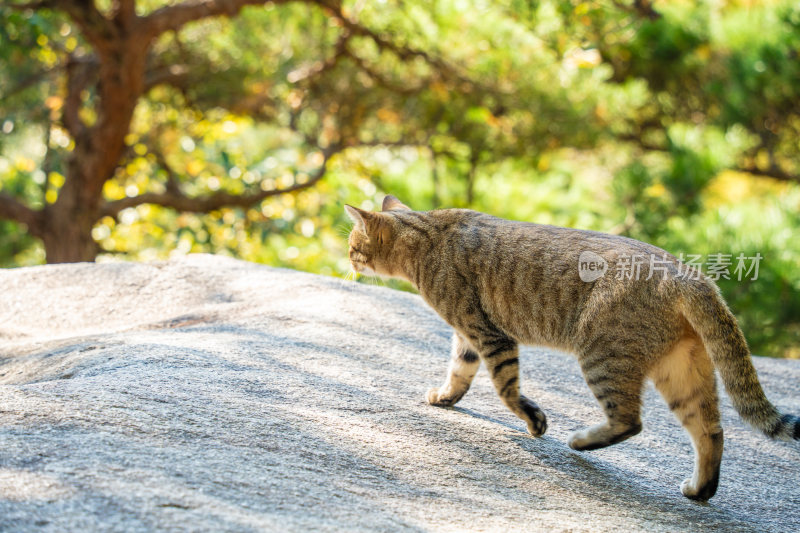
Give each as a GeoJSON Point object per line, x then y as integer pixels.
{"type": "Point", "coordinates": [586, 471]}
{"type": "Point", "coordinates": [482, 416]}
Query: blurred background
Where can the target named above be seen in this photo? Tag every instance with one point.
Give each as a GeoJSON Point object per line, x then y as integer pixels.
{"type": "Point", "coordinates": [142, 130]}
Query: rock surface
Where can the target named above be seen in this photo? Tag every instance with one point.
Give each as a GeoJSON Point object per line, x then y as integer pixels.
{"type": "Point", "coordinates": [213, 394]}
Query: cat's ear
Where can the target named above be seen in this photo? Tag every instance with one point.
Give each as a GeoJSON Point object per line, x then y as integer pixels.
{"type": "Point", "coordinates": [390, 203]}
{"type": "Point", "coordinates": [358, 216]}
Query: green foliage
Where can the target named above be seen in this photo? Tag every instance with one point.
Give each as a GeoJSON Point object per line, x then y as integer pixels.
{"type": "Point", "coordinates": [584, 114]}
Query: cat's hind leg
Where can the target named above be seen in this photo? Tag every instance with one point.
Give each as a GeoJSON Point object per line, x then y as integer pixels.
{"type": "Point", "coordinates": [685, 378]}
{"type": "Point", "coordinates": [616, 379]}
{"type": "Point", "coordinates": [464, 363]}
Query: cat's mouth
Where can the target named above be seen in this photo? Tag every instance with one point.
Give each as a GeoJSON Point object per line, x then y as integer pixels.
{"type": "Point", "coordinates": [362, 268]}
{"type": "Point", "coordinates": [358, 261]}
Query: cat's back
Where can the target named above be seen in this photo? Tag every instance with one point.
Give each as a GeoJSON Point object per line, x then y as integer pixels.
{"type": "Point", "coordinates": [528, 276]}
{"type": "Point", "coordinates": [526, 241]}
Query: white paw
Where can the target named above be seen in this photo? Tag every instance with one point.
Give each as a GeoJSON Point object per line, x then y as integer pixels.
{"type": "Point", "coordinates": [433, 396]}
{"type": "Point", "coordinates": [578, 440]}
{"type": "Point", "coordinates": [689, 489]}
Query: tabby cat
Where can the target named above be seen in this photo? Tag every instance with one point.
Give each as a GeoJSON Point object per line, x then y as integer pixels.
{"type": "Point", "coordinates": [500, 283]}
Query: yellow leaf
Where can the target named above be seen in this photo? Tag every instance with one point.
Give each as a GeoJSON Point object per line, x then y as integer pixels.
{"type": "Point", "coordinates": [544, 164]}
{"type": "Point", "coordinates": [194, 167]}
{"type": "Point", "coordinates": [56, 179]}
{"type": "Point", "coordinates": [389, 116]}
{"type": "Point", "coordinates": [657, 190]}
{"type": "Point", "coordinates": [108, 221]}
{"type": "Point", "coordinates": [54, 102]}
{"type": "Point", "coordinates": [441, 90]}
{"type": "Point", "coordinates": [25, 164]}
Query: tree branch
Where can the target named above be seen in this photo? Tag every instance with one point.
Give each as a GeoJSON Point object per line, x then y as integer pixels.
{"type": "Point", "coordinates": [645, 9]}
{"type": "Point", "coordinates": [774, 172]}
{"type": "Point", "coordinates": [410, 144]}
{"type": "Point", "coordinates": [172, 18]}
{"type": "Point", "coordinates": [380, 79]}
{"type": "Point", "coordinates": [174, 75]}
{"type": "Point", "coordinates": [30, 5]}
{"type": "Point", "coordinates": [125, 12]}
{"type": "Point", "coordinates": [12, 209]}
{"type": "Point", "coordinates": [172, 178]}
{"type": "Point", "coordinates": [642, 8]}
{"type": "Point", "coordinates": [175, 199]}
{"type": "Point", "coordinates": [383, 43]}
{"type": "Point", "coordinates": [79, 73]}
{"type": "Point", "coordinates": [442, 68]}
{"type": "Point", "coordinates": [637, 139]}
{"type": "Point", "coordinates": [307, 72]}
{"type": "Point", "coordinates": [94, 26]}
{"type": "Point", "coordinates": [32, 80]}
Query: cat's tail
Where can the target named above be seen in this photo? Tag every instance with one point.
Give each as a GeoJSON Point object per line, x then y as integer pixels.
{"type": "Point", "coordinates": [704, 308]}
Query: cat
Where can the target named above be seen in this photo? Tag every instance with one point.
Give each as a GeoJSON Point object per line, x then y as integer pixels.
{"type": "Point", "coordinates": [501, 283]}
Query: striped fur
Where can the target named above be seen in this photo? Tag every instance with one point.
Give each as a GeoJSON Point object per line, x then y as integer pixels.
{"type": "Point", "coordinates": [500, 283]}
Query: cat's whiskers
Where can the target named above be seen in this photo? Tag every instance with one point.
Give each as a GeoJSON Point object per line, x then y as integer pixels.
{"type": "Point", "coordinates": [346, 278]}
{"type": "Point", "coordinates": [352, 275]}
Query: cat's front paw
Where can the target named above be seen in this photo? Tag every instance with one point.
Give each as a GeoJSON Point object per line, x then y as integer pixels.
{"type": "Point", "coordinates": [433, 396]}
{"type": "Point", "coordinates": [440, 400]}
{"type": "Point", "coordinates": [537, 421]}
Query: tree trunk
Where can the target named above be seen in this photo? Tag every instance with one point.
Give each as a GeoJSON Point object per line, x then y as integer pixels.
{"type": "Point", "coordinates": [69, 242]}
{"type": "Point", "coordinates": [435, 179]}
{"type": "Point", "coordinates": [67, 224]}
{"type": "Point", "coordinates": [471, 183]}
